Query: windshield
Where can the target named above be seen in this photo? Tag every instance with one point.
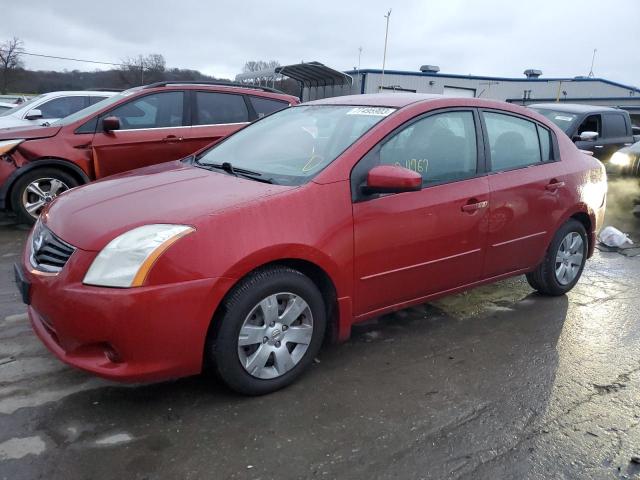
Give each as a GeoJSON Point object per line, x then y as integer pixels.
{"type": "Point", "coordinates": [291, 146]}
{"type": "Point", "coordinates": [22, 105]}
{"type": "Point", "coordinates": [85, 112]}
{"type": "Point", "coordinates": [564, 120]}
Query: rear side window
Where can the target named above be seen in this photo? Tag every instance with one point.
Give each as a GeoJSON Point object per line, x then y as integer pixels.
{"type": "Point", "coordinates": [265, 106]}
{"type": "Point", "coordinates": [218, 108]}
{"type": "Point", "coordinates": [94, 100]}
{"type": "Point", "coordinates": [615, 126]}
{"type": "Point", "coordinates": [158, 110]}
{"type": "Point", "coordinates": [545, 144]}
{"type": "Point", "coordinates": [63, 107]}
{"type": "Point", "coordinates": [513, 141]}
{"type": "Point", "coordinates": [442, 147]}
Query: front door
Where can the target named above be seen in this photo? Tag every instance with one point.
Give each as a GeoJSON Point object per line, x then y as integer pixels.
{"type": "Point", "coordinates": [527, 188]}
{"type": "Point", "coordinates": [413, 244]}
{"type": "Point", "coordinates": [152, 130]}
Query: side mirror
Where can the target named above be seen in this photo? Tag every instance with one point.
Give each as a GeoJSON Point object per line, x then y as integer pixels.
{"type": "Point", "coordinates": [392, 179]}
{"type": "Point", "coordinates": [587, 136]}
{"type": "Point", "coordinates": [34, 114]}
{"type": "Point", "coordinates": [110, 123]}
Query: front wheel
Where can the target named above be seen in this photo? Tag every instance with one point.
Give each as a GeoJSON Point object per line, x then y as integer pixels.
{"type": "Point", "coordinates": [271, 330]}
{"type": "Point", "coordinates": [35, 189]}
{"type": "Point", "coordinates": [564, 261]}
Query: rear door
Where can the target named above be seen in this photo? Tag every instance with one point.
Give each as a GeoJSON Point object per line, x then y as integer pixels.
{"type": "Point", "coordinates": [152, 130]}
{"type": "Point", "coordinates": [215, 115]}
{"type": "Point", "coordinates": [526, 183]}
{"type": "Point", "coordinates": [616, 134]}
{"type": "Point", "coordinates": [414, 244]}
{"type": "Point", "coordinates": [265, 106]}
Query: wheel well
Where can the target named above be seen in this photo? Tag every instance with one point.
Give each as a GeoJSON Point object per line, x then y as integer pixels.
{"type": "Point", "coordinates": [317, 275]}
{"type": "Point", "coordinates": [585, 220]}
{"type": "Point", "coordinates": [44, 163]}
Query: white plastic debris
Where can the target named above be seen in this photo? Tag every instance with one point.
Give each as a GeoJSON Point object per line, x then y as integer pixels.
{"type": "Point", "coordinates": [612, 237]}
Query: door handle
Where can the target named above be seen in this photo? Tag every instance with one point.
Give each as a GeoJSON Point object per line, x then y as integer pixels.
{"type": "Point", "coordinates": [554, 185]}
{"type": "Point", "coordinates": [473, 205]}
{"type": "Point", "coordinates": [172, 138]}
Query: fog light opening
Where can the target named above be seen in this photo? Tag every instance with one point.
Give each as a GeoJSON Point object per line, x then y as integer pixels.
{"type": "Point", "coordinates": [112, 355]}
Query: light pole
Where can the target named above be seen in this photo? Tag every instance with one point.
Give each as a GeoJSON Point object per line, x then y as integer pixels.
{"type": "Point", "coordinates": [359, 77]}
{"type": "Point", "coordinates": [384, 55]}
{"type": "Point", "coordinates": [593, 59]}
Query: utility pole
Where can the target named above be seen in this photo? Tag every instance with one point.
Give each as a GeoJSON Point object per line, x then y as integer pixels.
{"type": "Point", "coordinates": [359, 76]}
{"type": "Point", "coordinates": [593, 59]}
{"type": "Point", "coordinates": [384, 55]}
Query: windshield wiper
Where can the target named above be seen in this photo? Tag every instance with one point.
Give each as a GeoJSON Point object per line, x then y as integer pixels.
{"type": "Point", "coordinates": [238, 172]}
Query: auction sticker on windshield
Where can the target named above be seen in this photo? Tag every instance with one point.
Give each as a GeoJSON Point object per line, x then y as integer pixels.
{"type": "Point", "coordinates": [371, 111]}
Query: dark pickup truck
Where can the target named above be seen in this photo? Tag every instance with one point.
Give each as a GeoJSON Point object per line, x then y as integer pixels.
{"type": "Point", "coordinates": [601, 130]}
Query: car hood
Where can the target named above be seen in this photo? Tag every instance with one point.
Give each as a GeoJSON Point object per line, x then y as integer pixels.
{"type": "Point", "coordinates": [90, 216]}
{"type": "Point", "coordinates": [28, 132]}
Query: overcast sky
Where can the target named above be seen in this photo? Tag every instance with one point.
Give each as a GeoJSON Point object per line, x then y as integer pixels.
{"type": "Point", "coordinates": [488, 37]}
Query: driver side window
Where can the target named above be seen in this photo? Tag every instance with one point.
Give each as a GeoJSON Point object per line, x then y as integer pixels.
{"type": "Point", "coordinates": [441, 147]}
{"type": "Point", "coordinates": [151, 111]}
{"type": "Point", "coordinates": [591, 124]}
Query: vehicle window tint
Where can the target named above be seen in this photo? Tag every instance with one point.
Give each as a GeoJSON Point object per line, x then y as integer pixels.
{"type": "Point", "coordinates": [591, 124]}
{"type": "Point", "coordinates": [62, 107]}
{"type": "Point", "coordinates": [265, 106]}
{"type": "Point", "coordinates": [615, 126]}
{"type": "Point", "coordinates": [94, 100]}
{"type": "Point", "coordinates": [215, 108]}
{"type": "Point", "coordinates": [151, 111]}
{"type": "Point", "coordinates": [440, 147]}
{"type": "Point", "coordinates": [513, 141]}
{"type": "Point", "coordinates": [545, 143]}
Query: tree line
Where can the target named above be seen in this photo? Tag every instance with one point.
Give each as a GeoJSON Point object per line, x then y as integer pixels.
{"type": "Point", "coordinates": [130, 72]}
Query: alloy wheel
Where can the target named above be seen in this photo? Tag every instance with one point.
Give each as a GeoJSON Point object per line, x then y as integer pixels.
{"type": "Point", "coordinates": [40, 192]}
{"type": "Point", "coordinates": [569, 258]}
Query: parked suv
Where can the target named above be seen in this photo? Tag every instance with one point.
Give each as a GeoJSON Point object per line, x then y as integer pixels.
{"type": "Point", "coordinates": [49, 107]}
{"type": "Point", "coordinates": [138, 127]}
{"type": "Point", "coordinates": [601, 130]}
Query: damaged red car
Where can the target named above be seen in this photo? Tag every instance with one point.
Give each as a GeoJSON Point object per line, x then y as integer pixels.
{"type": "Point", "coordinates": [245, 256]}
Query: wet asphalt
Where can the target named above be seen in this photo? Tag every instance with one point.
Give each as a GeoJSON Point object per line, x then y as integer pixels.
{"type": "Point", "coordinates": [497, 382]}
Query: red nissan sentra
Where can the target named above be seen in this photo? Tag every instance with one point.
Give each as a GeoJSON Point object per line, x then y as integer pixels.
{"type": "Point", "coordinates": [246, 255]}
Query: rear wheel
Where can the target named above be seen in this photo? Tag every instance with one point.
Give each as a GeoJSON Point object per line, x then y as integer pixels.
{"type": "Point", "coordinates": [270, 332]}
{"type": "Point", "coordinates": [564, 261]}
{"type": "Point", "coordinates": [35, 189]}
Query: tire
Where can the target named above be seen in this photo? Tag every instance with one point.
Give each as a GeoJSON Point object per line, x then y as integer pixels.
{"type": "Point", "coordinates": [272, 355]}
{"type": "Point", "coordinates": [33, 191]}
{"type": "Point", "coordinates": [549, 278]}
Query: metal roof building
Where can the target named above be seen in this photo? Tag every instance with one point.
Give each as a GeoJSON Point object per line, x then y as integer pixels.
{"type": "Point", "coordinates": [532, 88]}
{"type": "Point", "coordinates": [318, 81]}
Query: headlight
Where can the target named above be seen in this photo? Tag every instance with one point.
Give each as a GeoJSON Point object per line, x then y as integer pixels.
{"type": "Point", "coordinates": [620, 159]}
{"type": "Point", "coordinates": [127, 259]}
{"type": "Point", "coordinates": [7, 145]}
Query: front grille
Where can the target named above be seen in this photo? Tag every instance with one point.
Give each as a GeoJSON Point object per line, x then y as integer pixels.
{"type": "Point", "coordinates": [48, 252]}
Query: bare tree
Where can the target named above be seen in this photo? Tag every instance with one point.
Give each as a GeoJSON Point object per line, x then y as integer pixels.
{"type": "Point", "coordinates": [257, 65]}
{"type": "Point", "coordinates": [143, 69]}
{"type": "Point", "coordinates": [10, 60]}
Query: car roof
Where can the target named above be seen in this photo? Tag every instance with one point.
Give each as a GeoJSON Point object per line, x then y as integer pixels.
{"type": "Point", "coordinates": [90, 93]}
{"type": "Point", "coordinates": [573, 107]}
{"type": "Point", "coordinates": [216, 87]}
{"type": "Point", "coordinates": [394, 100]}
{"type": "Point", "coordinates": [400, 100]}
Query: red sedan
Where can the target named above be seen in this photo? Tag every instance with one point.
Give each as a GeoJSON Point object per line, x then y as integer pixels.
{"type": "Point", "coordinates": [246, 255]}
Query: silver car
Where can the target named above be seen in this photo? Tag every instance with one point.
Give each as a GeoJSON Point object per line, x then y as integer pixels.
{"type": "Point", "coordinates": [49, 107]}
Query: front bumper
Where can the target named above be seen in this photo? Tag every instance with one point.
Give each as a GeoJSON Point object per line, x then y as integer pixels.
{"type": "Point", "coordinates": [140, 334]}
